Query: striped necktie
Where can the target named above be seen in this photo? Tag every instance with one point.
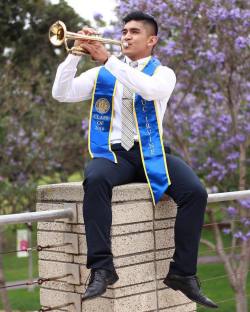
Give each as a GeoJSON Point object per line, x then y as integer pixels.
{"type": "Point", "coordinates": [127, 129]}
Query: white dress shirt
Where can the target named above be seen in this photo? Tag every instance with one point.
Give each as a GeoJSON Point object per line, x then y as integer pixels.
{"type": "Point", "coordinates": [68, 88]}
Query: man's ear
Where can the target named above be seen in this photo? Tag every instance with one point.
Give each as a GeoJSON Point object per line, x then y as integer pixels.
{"type": "Point", "coordinates": [152, 41]}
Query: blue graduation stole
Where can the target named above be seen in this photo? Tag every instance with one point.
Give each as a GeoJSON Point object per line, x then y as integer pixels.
{"type": "Point", "coordinates": [147, 125]}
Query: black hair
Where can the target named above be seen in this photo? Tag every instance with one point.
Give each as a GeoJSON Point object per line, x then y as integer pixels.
{"type": "Point", "coordinates": [141, 16]}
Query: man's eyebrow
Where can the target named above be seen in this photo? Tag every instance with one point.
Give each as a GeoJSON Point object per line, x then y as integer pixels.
{"type": "Point", "coordinates": [131, 29]}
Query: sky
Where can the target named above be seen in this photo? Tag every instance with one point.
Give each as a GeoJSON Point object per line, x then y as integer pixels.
{"type": "Point", "coordinates": [87, 8]}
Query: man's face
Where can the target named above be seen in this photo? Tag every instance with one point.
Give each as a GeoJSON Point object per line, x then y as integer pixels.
{"type": "Point", "coordinates": [139, 38]}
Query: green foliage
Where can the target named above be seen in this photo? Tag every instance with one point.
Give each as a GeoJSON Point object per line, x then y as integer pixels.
{"type": "Point", "coordinates": [38, 136]}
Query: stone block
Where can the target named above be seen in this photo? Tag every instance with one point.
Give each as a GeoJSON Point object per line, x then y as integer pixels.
{"type": "Point", "coordinates": [127, 213]}
{"type": "Point", "coordinates": [164, 224]}
{"type": "Point", "coordinates": [53, 298]}
{"type": "Point", "coordinates": [133, 191]}
{"type": "Point", "coordinates": [190, 307]}
{"type": "Point", "coordinates": [118, 292]}
{"type": "Point", "coordinates": [54, 226]}
{"type": "Point", "coordinates": [64, 192]}
{"type": "Point", "coordinates": [51, 269]}
{"type": "Point", "coordinates": [78, 228]}
{"type": "Point", "coordinates": [82, 244]}
{"type": "Point", "coordinates": [165, 209]}
{"type": "Point", "coordinates": [100, 305]}
{"type": "Point", "coordinates": [80, 259]}
{"type": "Point", "coordinates": [164, 238]}
{"type": "Point", "coordinates": [45, 238]}
{"type": "Point", "coordinates": [56, 256]}
{"type": "Point", "coordinates": [125, 244]}
{"type": "Point", "coordinates": [164, 254]}
{"type": "Point", "coordinates": [169, 298]}
{"type": "Point", "coordinates": [63, 286]}
{"type": "Point", "coordinates": [129, 275]}
{"type": "Point", "coordinates": [132, 243]}
{"type": "Point", "coordinates": [133, 259]}
{"type": "Point", "coordinates": [73, 192]}
{"type": "Point", "coordinates": [59, 206]}
{"type": "Point", "coordinates": [131, 228]}
{"type": "Point", "coordinates": [139, 302]}
{"type": "Point", "coordinates": [135, 274]}
{"type": "Point", "coordinates": [80, 213]}
{"type": "Point", "coordinates": [162, 267]}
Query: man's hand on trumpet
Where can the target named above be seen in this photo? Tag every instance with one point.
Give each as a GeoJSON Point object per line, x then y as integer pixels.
{"type": "Point", "coordinates": [96, 49]}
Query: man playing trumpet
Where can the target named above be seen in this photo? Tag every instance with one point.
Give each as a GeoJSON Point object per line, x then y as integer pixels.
{"type": "Point", "coordinates": [129, 99]}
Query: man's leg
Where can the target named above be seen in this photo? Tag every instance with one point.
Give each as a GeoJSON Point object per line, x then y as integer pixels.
{"type": "Point", "coordinates": [101, 175]}
{"type": "Point", "coordinates": [191, 199]}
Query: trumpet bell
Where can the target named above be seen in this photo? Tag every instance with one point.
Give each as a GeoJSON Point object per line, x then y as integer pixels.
{"type": "Point", "coordinates": [57, 33]}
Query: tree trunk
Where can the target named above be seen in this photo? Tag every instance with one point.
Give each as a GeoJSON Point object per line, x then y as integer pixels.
{"type": "Point", "coordinates": [241, 300]}
{"type": "Point", "coordinates": [3, 291]}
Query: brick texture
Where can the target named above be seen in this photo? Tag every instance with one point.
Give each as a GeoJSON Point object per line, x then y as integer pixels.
{"type": "Point", "coordinates": [142, 245]}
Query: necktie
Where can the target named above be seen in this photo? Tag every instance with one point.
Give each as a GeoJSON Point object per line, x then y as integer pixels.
{"type": "Point", "coordinates": [127, 130]}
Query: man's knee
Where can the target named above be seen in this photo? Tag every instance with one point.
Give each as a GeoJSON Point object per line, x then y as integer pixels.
{"type": "Point", "coordinates": [94, 179]}
{"type": "Point", "coordinates": [199, 192]}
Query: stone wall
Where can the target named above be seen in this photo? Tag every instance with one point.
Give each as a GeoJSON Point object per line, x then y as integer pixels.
{"type": "Point", "coordinates": [142, 245]}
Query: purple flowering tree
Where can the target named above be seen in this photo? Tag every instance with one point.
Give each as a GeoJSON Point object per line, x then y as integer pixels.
{"type": "Point", "coordinates": [208, 117]}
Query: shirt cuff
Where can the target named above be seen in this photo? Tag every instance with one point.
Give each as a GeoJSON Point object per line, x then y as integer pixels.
{"type": "Point", "coordinates": [72, 60]}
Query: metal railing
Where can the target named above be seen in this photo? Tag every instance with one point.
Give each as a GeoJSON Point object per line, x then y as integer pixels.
{"type": "Point", "coordinates": [69, 213]}
{"type": "Point", "coordinates": [36, 216]}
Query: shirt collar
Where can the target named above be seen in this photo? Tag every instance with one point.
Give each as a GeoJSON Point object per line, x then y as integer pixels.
{"type": "Point", "coordinates": [141, 62]}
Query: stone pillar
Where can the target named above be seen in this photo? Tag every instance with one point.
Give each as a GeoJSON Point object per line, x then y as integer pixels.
{"type": "Point", "coordinates": [142, 245]}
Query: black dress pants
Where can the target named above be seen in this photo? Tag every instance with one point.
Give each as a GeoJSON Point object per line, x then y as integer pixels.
{"type": "Point", "coordinates": [101, 175]}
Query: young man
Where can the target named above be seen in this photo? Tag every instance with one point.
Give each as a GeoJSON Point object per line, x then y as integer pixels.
{"type": "Point", "coordinates": [125, 136]}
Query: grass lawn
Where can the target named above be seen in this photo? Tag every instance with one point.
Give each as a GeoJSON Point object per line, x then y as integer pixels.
{"type": "Point", "coordinates": [23, 300]}
{"type": "Point", "coordinates": [218, 289]}
{"type": "Point", "coordinates": [16, 269]}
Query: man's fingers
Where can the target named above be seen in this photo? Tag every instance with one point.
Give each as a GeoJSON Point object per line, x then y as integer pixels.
{"type": "Point", "coordinates": [88, 31]}
{"type": "Point", "coordinates": [87, 46]}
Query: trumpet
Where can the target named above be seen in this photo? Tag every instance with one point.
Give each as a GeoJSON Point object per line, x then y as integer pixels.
{"type": "Point", "coordinates": [59, 35]}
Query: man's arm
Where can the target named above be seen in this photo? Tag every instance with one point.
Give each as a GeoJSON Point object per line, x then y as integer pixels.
{"type": "Point", "coordinates": [67, 88]}
{"type": "Point", "coordinates": [156, 87]}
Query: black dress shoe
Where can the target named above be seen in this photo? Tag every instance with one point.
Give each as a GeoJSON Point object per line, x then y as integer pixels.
{"type": "Point", "coordinates": [189, 286]}
{"type": "Point", "coordinates": [99, 280]}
